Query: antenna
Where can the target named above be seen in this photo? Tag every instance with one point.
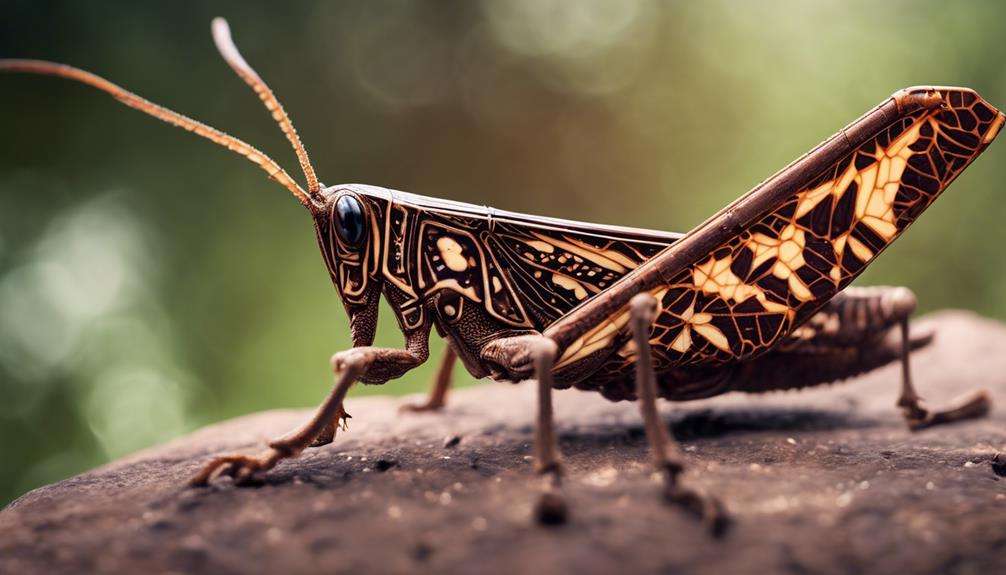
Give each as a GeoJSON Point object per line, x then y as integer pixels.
{"type": "Point", "coordinates": [230, 53]}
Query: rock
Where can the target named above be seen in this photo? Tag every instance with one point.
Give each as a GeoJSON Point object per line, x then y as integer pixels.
{"type": "Point", "coordinates": [827, 480]}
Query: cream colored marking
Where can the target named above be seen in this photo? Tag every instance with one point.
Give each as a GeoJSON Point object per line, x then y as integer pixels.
{"type": "Point", "coordinates": [808, 200]}
{"type": "Point", "coordinates": [839, 244]}
{"type": "Point", "coordinates": [879, 184]}
{"type": "Point", "coordinates": [610, 254]}
{"type": "Point", "coordinates": [788, 251]}
{"type": "Point", "coordinates": [836, 274]}
{"type": "Point", "coordinates": [570, 284]}
{"type": "Point", "coordinates": [587, 254]}
{"type": "Point", "coordinates": [683, 341]}
{"type": "Point", "coordinates": [450, 251]}
{"type": "Point", "coordinates": [503, 287]}
{"type": "Point", "coordinates": [541, 246]}
{"type": "Point", "coordinates": [452, 284]}
{"type": "Point", "coordinates": [351, 289]}
{"type": "Point", "coordinates": [993, 130]}
{"type": "Point", "coordinates": [406, 288]}
{"type": "Point", "coordinates": [715, 277]}
{"type": "Point", "coordinates": [712, 333]}
{"type": "Point", "coordinates": [449, 310]}
{"type": "Point", "coordinates": [700, 323]}
{"type": "Point", "coordinates": [861, 252]}
{"type": "Point", "coordinates": [877, 188]}
{"type": "Point", "coordinates": [601, 335]}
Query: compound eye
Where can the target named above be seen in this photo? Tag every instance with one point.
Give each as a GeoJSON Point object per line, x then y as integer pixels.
{"type": "Point", "coordinates": [350, 223]}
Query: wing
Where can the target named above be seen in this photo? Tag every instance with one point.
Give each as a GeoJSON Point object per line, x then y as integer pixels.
{"type": "Point", "coordinates": [523, 271]}
{"type": "Point", "coordinates": [741, 282]}
{"type": "Point", "coordinates": [555, 267]}
{"type": "Point", "coordinates": [852, 334]}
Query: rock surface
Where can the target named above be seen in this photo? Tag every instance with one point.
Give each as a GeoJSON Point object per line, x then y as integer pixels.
{"type": "Point", "coordinates": [827, 480]}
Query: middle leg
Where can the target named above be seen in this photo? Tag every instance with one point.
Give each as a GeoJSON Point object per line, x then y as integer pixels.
{"type": "Point", "coordinates": [518, 356]}
{"type": "Point", "coordinates": [667, 458]}
{"type": "Point", "coordinates": [551, 508]}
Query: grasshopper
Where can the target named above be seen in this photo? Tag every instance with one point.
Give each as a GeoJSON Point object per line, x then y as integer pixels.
{"type": "Point", "coordinates": [756, 298]}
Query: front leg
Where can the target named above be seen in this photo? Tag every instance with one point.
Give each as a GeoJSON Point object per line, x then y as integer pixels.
{"type": "Point", "coordinates": [369, 364]}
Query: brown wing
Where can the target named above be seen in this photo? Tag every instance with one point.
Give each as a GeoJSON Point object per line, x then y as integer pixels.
{"type": "Point", "coordinates": [854, 333]}
{"type": "Point", "coordinates": [743, 281]}
{"type": "Point", "coordinates": [555, 268]}
{"type": "Point", "coordinates": [521, 271]}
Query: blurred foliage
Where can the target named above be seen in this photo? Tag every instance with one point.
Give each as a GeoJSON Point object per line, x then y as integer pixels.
{"type": "Point", "coordinates": [151, 282]}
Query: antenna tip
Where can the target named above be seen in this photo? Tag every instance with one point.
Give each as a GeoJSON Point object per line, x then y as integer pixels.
{"type": "Point", "coordinates": [219, 24]}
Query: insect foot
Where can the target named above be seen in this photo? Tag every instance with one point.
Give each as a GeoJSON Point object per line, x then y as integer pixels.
{"type": "Point", "coordinates": [710, 510]}
{"type": "Point", "coordinates": [551, 509]}
{"type": "Point", "coordinates": [348, 366]}
{"type": "Point", "coordinates": [241, 467]}
{"type": "Point", "coordinates": [664, 451]}
{"type": "Point", "coordinates": [515, 358]}
{"type": "Point", "coordinates": [973, 405]}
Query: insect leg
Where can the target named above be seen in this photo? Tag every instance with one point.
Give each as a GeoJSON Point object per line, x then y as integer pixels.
{"type": "Point", "coordinates": [441, 384]}
{"type": "Point", "coordinates": [514, 359]}
{"type": "Point", "coordinates": [975, 404]}
{"type": "Point", "coordinates": [327, 434]}
{"type": "Point", "coordinates": [551, 508]}
{"type": "Point", "coordinates": [664, 451]}
{"type": "Point", "coordinates": [243, 467]}
{"type": "Point", "coordinates": [370, 364]}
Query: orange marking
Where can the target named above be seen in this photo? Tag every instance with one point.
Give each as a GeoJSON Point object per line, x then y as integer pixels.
{"type": "Point", "coordinates": [788, 251]}
{"type": "Point", "coordinates": [993, 130]}
{"type": "Point", "coordinates": [715, 277]}
{"type": "Point", "coordinates": [602, 335]}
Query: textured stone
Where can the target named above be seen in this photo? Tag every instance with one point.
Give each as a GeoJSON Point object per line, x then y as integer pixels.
{"type": "Point", "coordinates": [826, 480]}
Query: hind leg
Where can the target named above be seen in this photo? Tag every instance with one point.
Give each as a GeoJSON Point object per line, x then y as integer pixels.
{"type": "Point", "coordinates": [972, 405]}
{"type": "Point", "coordinates": [664, 451]}
{"type": "Point", "coordinates": [850, 336]}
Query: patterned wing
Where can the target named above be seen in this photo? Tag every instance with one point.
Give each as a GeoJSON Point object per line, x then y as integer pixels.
{"type": "Point", "coordinates": [855, 332]}
{"type": "Point", "coordinates": [522, 271]}
{"type": "Point", "coordinates": [738, 298]}
{"type": "Point", "coordinates": [556, 268]}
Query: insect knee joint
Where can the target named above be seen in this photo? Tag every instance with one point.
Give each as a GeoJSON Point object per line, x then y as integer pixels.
{"type": "Point", "coordinates": [644, 307]}
{"type": "Point", "coordinates": [901, 301]}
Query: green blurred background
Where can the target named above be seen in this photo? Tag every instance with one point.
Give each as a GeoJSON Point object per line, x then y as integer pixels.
{"type": "Point", "coordinates": [151, 282]}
